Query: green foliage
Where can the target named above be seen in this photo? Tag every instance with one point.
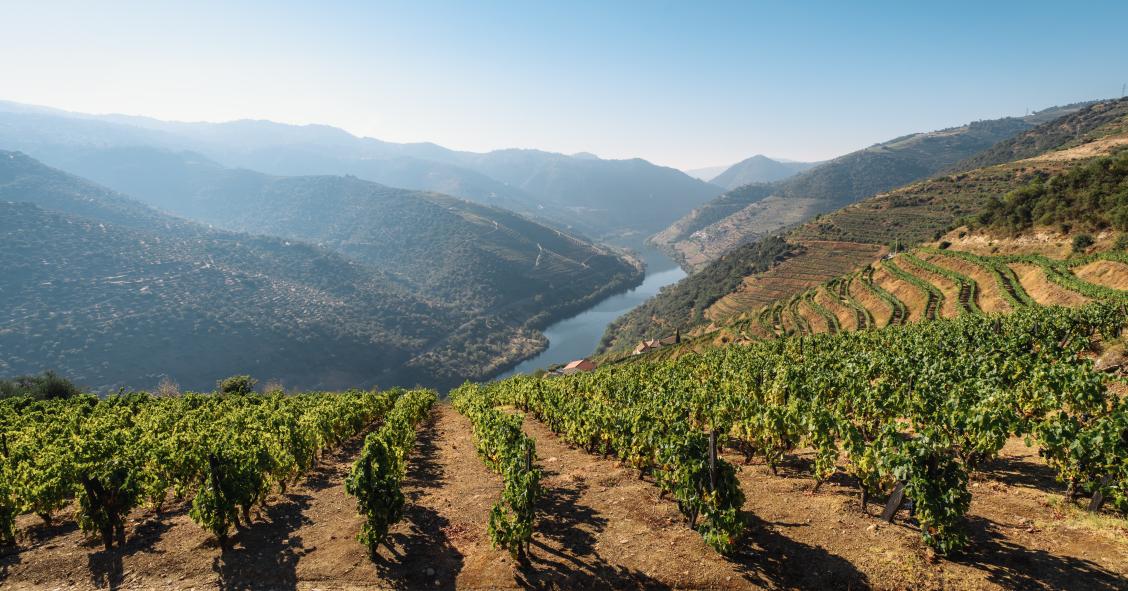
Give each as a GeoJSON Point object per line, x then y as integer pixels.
{"type": "Point", "coordinates": [45, 386]}
{"type": "Point", "coordinates": [378, 473]}
{"type": "Point", "coordinates": [1093, 195]}
{"type": "Point", "coordinates": [921, 404]}
{"type": "Point", "coordinates": [504, 448]}
{"type": "Point", "coordinates": [236, 385]}
{"type": "Point", "coordinates": [111, 455]}
{"type": "Point", "coordinates": [1082, 242]}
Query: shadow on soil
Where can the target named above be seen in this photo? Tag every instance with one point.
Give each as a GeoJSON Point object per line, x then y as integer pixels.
{"type": "Point", "coordinates": [423, 556]}
{"type": "Point", "coordinates": [1015, 472]}
{"type": "Point", "coordinates": [9, 557]}
{"type": "Point", "coordinates": [105, 566]}
{"type": "Point", "coordinates": [265, 554]}
{"type": "Point", "coordinates": [772, 560]}
{"type": "Point", "coordinates": [1015, 567]}
{"type": "Point", "coordinates": [572, 527]}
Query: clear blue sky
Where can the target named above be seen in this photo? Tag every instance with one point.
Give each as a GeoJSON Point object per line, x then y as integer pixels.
{"type": "Point", "coordinates": [682, 84]}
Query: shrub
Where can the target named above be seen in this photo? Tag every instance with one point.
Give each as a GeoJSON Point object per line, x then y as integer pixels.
{"type": "Point", "coordinates": [236, 385]}
{"type": "Point", "coordinates": [167, 388]}
{"type": "Point", "coordinates": [46, 386]}
{"type": "Point", "coordinates": [1081, 242]}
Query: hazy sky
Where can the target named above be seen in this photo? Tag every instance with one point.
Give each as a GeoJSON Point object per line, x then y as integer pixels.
{"type": "Point", "coordinates": [682, 84]}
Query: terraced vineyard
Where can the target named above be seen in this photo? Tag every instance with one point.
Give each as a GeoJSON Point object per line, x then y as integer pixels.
{"type": "Point", "coordinates": [909, 413]}
{"type": "Point", "coordinates": [949, 283]}
{"type": "Point", "coordinates": [817, 262]}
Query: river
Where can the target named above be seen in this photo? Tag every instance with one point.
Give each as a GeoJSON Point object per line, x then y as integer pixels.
{"type": "Point", "coordinates": [578, 336]}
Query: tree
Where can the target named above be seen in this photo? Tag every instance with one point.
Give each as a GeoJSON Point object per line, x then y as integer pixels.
{"type": "Point", "coordinates": [236, 385]}
{"type": "Point", "coordinates": [46, 386]}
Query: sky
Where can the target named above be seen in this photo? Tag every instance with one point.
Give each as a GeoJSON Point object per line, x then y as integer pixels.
{"type": "Point", "coordinates": [687, 85]}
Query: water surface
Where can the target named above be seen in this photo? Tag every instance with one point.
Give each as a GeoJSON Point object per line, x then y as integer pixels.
{"type": "Point", "coordinates": [578, 336]}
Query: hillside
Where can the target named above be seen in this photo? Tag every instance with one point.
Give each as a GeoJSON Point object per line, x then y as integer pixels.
{"type": "Point", "coordinates": [477, 320]}
{"type": "Point", "coordinates": [860, 232]}
{"type": "Point", "coordinates": [967, 452]}
{"type": "Point", "coordinates": [479, 259]}
{"type": "Point", "coordinates": [752, 211]}
{"type": "Point", "coordinates": [758, 169]}
{"type": "Point", "coordinates": [112, 306]}
{"type": "Point", "coordinates": [623, 200]}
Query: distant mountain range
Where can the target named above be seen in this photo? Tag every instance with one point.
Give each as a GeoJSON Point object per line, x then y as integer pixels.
{"type": "Point", "coordinates": [619, 200]}
{"type": "Point", "coordinates": [433, 289]}
{"type": "Point", "coordinates": [758, 169]}
{"type": "Point", "coordinates": [754, 210]}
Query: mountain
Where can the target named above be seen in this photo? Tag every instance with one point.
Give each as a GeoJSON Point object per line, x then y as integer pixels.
{"type": "Point", "coordinates": [473, 286]}
{"type": "Point", "coordinates": [115, 294]}
{"type": "Point", "coordinates": [752, 211]}
{"type": "Point", "coordinates": [854, 236]}
{"type": "Point", "coordinates": [625, 200]}
{"type": "Point", "coordinates": [758, 169]}
{"type": "Point", "coordinates": [471, 256]}
{"type": "Point", "coordinates": [707, 173]}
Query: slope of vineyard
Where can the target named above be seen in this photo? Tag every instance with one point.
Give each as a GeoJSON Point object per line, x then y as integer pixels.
{"type": "Point", "coordinates": [814, 263]}
{"type": "Point", "coordinates": [912, 285]}
{"type": "Point", "coordinates": [928, 410]}
{"type": "Point", "coordinates": [919, 212]}
{"type": "Point", "coordinates": [598, 526]}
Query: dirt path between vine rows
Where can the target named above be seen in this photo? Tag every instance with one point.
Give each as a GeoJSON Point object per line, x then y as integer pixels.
{"type": "Point", "coordinates": [303, 539]}
{"type": "Point", "coordinates": [598, 526]}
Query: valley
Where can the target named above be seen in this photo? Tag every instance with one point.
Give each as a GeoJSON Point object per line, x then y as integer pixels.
{"type": "Point", "coordinates": [539, 296]}
{"type": "Point", "coordinates": [576, 337]}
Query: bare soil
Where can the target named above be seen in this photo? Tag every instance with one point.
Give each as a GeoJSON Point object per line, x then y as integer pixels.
{"type": "Point", "coordinates": [915, 299]}
{"type": "Point", "coordinates": [847, 319]}
{"type": "Point", "coordinates": [599, 526]}
{"type": "Point", "coordinates": [1045, 292]}
{"type": "Point", "coordinates": [1107, 273]}
{"type": "Point", "coordinates": [991, 297]}
{"type": "Point", "coordinates": [878, 307]}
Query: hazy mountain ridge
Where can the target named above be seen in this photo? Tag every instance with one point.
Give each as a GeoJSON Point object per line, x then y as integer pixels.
{"type": "Point", "coordinates": [94, 290]}
{"type": "Point", "coordinates": [598, 197]}
{"type": "Point", "coordinates": [448, 249]}
{"type": "Point", "coordinates": [758, 169]}
{"type": "Point", "coordinates": [701, 235]}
